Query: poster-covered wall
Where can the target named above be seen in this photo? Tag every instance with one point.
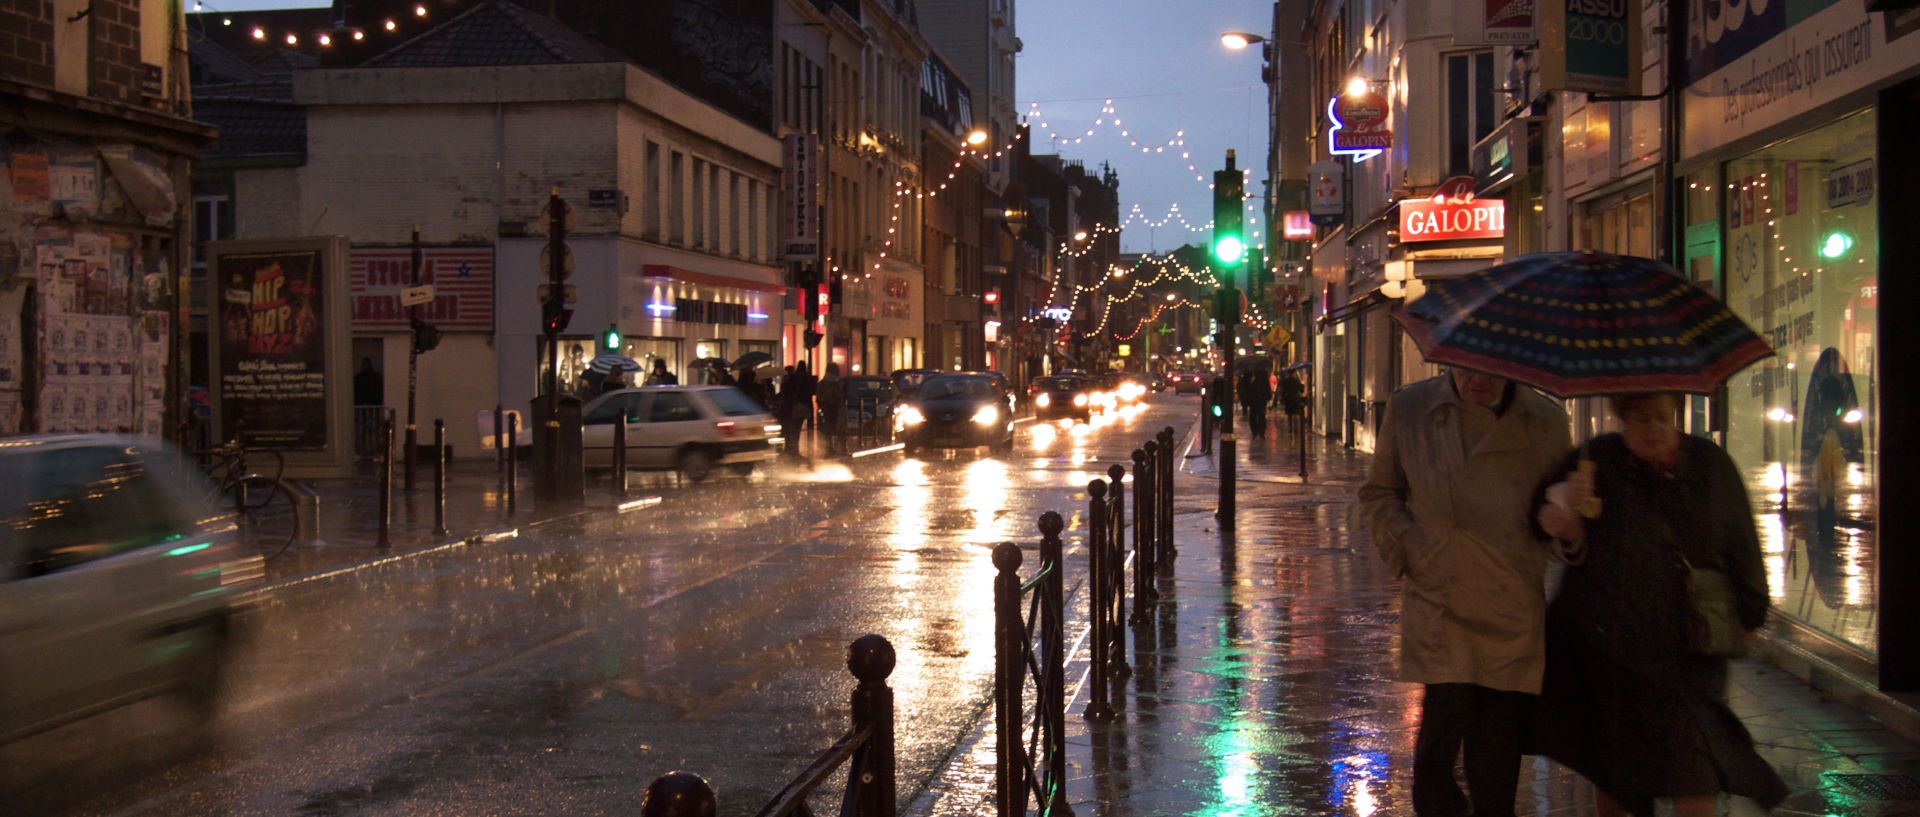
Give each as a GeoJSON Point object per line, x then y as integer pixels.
{"type": "Point", "coordinates": [85, 233]}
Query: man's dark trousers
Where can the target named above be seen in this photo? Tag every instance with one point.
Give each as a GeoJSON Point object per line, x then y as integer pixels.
{"type": "Point", "coordinates": [1488, 724]}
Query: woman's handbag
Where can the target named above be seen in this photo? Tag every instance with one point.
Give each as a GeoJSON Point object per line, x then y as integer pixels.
{"type": "Point", "coordinates": [1716, 628]}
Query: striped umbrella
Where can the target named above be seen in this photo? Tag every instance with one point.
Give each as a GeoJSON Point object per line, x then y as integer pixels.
{"type": "Point", "coordinates": [614, 364]}
{"type": "Point", "coordinates": [1583, 323]}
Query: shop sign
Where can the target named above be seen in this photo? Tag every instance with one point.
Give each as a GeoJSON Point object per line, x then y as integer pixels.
{"type": "Point", "coordinates": [1358, 125]}
{"type": "Point", "coordinates": [1782, 60]}
{"type": "Point", "coordinates": [800, 190]}
{"type": "Point", "coordinates": [1497, 22]}
{"type": "Point", "coordinates": [1327, 187]}
{"type": "Point", "coordinates": [1452, 213]}
{"type": "Point", "coordinates": [1590, 45]}
{"type": "Point", "coordinates": [461, 277]}
{"type": "Point", "coordinates": [1296, 225]}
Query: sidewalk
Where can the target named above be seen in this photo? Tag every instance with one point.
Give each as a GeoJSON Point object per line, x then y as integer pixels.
{"type": "Point", "coordinates": [1266, 683]}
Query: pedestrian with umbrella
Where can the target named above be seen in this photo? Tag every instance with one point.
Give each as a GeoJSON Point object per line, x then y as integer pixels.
{"type": "Point", "coordinates": [1665, 580]}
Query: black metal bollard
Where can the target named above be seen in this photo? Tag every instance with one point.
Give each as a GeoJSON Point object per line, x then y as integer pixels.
{"type": "Point", "coordinates": [1144, 529]}
{"type": "Point", "coordinates": [1009, 679]}
{"type": "Point", "coordinates": [439, 477]}
{"type": "Point", "coordinates": [620, 459]}
{"type": "Point", "coordinates": [870, 780]}
{"type": "Point", "coordinates": [1164, 558]}
{"type": "Point", "coordinates": [1053, 683]}
{"type": "Point", "coordinates": [1116, 609]}
{"type": "Point", "coordinates": [386, 481]}
{"type": "Point", "coordinates": [679, 794]}
{"type": "Point", "coordinates": [513, 460]}
{"type": "Point", "coordinates": [1098, 705]}
{"type": "Point", "coordinates": [499, 455]}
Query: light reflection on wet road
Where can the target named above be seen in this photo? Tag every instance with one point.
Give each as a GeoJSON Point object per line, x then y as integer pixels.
{"type": "Point", "coordinates": [560, 672]}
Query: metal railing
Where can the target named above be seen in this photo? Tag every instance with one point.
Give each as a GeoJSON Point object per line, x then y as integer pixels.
{"type": "Point", "coordinates": [864, 424]}
{"type": "Point", "coordinates": [1030, 649]}
{"type": "Point", "coordinates": [867, 750]}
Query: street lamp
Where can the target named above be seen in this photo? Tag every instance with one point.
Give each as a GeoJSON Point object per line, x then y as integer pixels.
{"type": "Point", "coordinates": [977, 138]}
{"type": "Point", "coordinates": [1237, 40]}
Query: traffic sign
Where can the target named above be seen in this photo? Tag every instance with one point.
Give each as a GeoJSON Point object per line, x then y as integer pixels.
{"type": "Point", "coordinates": [544, 223]}
{"type": "Point", "coordinates": [414, 296]}
{"type": "Point", "coordinates": [568, 293]}
{"type": "Point", "coordinates": [566, 260]}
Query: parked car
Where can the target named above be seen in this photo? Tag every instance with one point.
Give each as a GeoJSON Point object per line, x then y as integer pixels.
{"type": "Point", "coordinates": [1157, 382]}
{"type": "Point", "coordinates": [870, 400]}
{"type": "Point", "coordinates": [1187, 382]}
{"type": "Point", "coordinates": [956, 411]}
{"type": "Point", "coordinates": [691, 429]}
{"type": "Point", "coordinates": [118, 578]}
{"type": "Point", "coordinates": [1058, 396]}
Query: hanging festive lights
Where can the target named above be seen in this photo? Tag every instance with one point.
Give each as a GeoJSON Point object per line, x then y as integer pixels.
{"type": "Point", "coordinates": [323, 38]}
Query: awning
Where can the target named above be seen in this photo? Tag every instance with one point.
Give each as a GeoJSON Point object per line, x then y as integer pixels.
{"type": "Point", "coordinates": [1353, 310]}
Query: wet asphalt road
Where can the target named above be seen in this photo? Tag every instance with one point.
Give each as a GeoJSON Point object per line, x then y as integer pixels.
{"type": "Point", "coordinates": [560, 672]}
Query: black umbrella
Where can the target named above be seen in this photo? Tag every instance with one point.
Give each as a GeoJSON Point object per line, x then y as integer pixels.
{"type": "Point", "coordinates": [708, 363]}
{"type": "Point", "coordinates": [751, 360]}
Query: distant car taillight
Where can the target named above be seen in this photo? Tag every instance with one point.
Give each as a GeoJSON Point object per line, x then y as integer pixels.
{"type": "Point", "coordinates": [726, 428]}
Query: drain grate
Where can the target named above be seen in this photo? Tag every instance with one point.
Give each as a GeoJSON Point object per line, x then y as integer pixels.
{"type": "Point", "coordinates": [1881, 786]}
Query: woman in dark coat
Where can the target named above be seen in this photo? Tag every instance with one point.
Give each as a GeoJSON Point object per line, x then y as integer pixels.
{"type": "Point", "coordinates": [1628, 700]}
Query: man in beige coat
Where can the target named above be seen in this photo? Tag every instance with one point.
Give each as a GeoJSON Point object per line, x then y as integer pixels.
{"type": "Point", "coordinates": [1447, 499]}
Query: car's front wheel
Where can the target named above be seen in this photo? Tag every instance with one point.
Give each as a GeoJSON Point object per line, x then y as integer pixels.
{"type": "Point", "coordinates": [696, 464]}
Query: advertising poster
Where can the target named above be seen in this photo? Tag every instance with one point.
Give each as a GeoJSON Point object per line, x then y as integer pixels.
{"type": "Point", "coordinates": [273, 343]}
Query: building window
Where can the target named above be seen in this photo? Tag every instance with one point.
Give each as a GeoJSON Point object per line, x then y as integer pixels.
{"type": "Point", "coordinates": [678, 207]}
{"type": "Point", "coordinates": [1470, 116]}
{"type": "Point", "coordinates": [212, 221]}
{"type": "Point", "coordinates": [651, 200]}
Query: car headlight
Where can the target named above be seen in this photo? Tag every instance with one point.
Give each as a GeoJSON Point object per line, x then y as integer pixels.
{"type": "Point", "coordinates": [987, 415]}
{"type": "Point", "coordinates": [1043, 400]}
{"type": "Point", "coordinates": [1080, 400]}
{"type": "Point", "coordinates": [911, 416]}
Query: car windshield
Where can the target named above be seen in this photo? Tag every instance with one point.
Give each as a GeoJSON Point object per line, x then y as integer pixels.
{"type": "Point", "coordinates": [1059, 383]}
{"type": "Point", "coordinates": [732, 402]}
{"type": "Point", "coordinates": [938, 387]}
{"type": "Point", "coordinates": [868, 387]}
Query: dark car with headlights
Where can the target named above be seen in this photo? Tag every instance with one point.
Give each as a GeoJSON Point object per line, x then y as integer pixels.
{"type": "Point", "coordinates": [1057, 396]}
{"type": "Point", "coordinates": [956, 411]}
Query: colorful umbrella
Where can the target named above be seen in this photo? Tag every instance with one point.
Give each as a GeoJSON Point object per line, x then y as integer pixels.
{"type": "Point", "coordinates": [1583, 323]}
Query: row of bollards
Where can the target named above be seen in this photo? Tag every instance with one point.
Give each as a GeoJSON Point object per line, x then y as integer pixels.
{"type": "Point", "coordinates": [1108, 560]}
{"type": "Point", "coordinates": [867, 750]}
{"type": "Point", "coordinates": [507, 462]}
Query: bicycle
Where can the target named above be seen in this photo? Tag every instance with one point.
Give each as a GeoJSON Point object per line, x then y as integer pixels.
{"type": "Point", "coordinates": [264, 509]}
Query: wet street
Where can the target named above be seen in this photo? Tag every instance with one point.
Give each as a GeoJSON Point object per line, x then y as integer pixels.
{"type": "Point", "coordinates": [559, 672]}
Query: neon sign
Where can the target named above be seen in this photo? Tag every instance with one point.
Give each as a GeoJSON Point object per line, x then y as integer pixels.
{"type": "Point", "coordinates": [1358, 126]}
{"type": "Point", "coordinates": [1452, 213]}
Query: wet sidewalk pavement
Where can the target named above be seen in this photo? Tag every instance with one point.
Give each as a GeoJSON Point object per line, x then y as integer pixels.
{"type": "Point", "coordinates": [1265, 683]}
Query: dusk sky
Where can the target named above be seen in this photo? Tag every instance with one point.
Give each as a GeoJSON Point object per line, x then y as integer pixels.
{"type": "Point", "coordinates": [1165, 70]}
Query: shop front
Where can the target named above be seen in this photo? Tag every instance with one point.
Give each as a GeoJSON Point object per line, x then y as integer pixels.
{"type": "Point", "coordinates": [1784, 193]}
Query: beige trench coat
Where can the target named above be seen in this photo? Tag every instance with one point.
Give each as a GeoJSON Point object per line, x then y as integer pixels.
{"type": "Point", "coordinates": [1454, 525]}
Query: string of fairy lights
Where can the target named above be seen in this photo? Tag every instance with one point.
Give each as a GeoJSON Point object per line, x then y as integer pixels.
{"type": "Point", "coordinates": [282, 34]}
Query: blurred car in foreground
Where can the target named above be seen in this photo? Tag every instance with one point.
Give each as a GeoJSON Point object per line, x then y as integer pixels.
{"type": "Point", "coordinates": [1187, 382]}
{"type": "Point", "coordinates": [691, 429]}
{"type": "Point", "coordinates": [117, 579]}
{"type": "Point", "coordinates": [1057, 396]}
{"type": "Point", "coordinates": [956, 411]}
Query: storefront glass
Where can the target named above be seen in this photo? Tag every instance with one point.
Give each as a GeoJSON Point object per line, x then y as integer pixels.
{"type": "Point", "coordinates": [1801, 267]}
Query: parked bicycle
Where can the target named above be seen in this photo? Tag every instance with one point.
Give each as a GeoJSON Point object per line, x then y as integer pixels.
{"type": "Point", "coordinates": [259, 498]}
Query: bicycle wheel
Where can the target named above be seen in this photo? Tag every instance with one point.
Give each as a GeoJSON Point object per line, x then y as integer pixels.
{"type": "Point", "coordinates": [265, 513]}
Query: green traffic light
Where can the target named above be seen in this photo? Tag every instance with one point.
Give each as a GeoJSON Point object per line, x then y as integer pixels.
{"type": "Point", "coordinates": [613, 339]}
{"type": "Point", "coordinates": [1836, 245]}
{"type": "Point", "coordinates": [1230, 249]}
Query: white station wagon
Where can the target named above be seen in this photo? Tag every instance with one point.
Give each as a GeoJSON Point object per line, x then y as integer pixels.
{"type": "Point", "coordinates": [692, 429]}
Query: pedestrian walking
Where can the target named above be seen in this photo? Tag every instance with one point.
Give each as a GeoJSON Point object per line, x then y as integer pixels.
{"type": "Point", "coordinates": [660, 375]}
{"type": "Point", "coordinates": [1447, 499]}
{"type": "Point", "coordinates": [369, 388]}
{"type": "Point", "coordinates": [798, 389]}
{"type": "Point", "coordinates": [1293, 399]}
{"type": "Point", "coordinates": [831, 394]}
{"type": "Point", "coordinates": [1259, 392]}
{"type": "Point", "coordinates": [1635, 695]}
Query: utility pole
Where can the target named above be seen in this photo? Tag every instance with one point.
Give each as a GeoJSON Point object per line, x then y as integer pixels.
{"type": "Point", "coordinates": [557, 258]}
{"type": "Point", "coordinates": [1230, 253]}
{"type": "Point", "coordinates": [422, 337]}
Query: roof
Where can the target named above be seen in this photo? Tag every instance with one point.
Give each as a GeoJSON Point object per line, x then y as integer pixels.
{"type": "Point", "coordinates": [253, 127]}
{"type": "Point", "coordinates": [496, 33]}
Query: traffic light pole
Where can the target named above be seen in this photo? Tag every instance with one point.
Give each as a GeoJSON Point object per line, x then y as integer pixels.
{"type": "Point", "coordinates": [1229, 318]}
{"type": "Point", "coordinates": [549, 485]}
{"type": "Point", "coordinates": [412, 445]}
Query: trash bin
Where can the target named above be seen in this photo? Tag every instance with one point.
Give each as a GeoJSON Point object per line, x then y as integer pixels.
{"type": "Point", "coordinates": [559, 475]}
